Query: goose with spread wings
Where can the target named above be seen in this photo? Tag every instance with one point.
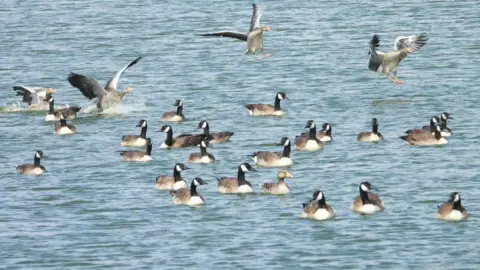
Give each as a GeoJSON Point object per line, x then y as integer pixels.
{"type": "Point", "coordinates": [389, 61]}
{"type": "Point", "coordinates": [91, 88]}
{"type": "Point", "coordinates": [36, 97]}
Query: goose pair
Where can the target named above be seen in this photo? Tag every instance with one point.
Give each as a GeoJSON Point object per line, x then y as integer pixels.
{"type": "Point", "coordinates": [425, 137]}
{"type": "Point", "coordinates": [174, 116]}
{"type": "Point", "coordinates": [36, 97]}
{"type": "Point", "coordinates": [189, 196]}
{"type": "Point", "coordinates": [237, 185]}
{"type": "Point", "coordinates": [214, 137]}
{"type": "Point", "coordinates": [274, 159]}
{"type": "Point", "coordinates": [435, 120]}
{"type": "Point", "coordinates": [33, 169]}
{"type": "Point", "coordinates": [137, 156]}
{"type": "Point", "coordinates": [63, 128]}
{"type": "Point", "coordinates": [444, 117]}
{"type": "Point", "coordinates": [261, 109]}
{"type": "Point", "coordinates": [324, 135]}
{"type": "Point", "coordinates": [310, 142]}
{"type": "Point", "coordinates": [54, 115]}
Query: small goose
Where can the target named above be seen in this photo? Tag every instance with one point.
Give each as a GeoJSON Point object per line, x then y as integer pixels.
{"type": "Point", "coordinates": [63, 128]}
{"type": "Point", "coordinates": [279, 188]}
{"type": "Point", "coordinates": [446, 132]}
{"type": "Point", "coordinates": [32, 169]}
{"type": "Point", "coordinates": [425, 138]}
{"type": "Point", "coordinates": [214, 137]}
{"type": "Point", "coordinates": [267, 109]}
{"type": "Point", "coordinates": [182, 140]}
{"type": "Point", "coordinates": [236, 185]}
{"type": "Point", "coordinates": [310, 143]}
{"type": "Point", "coordinates": [203, 156]}
{"type": "Point", "coordinates": [373, 136]}
{"type": "Point", "coordinates": [174, 116]}
{"type": "Point", "coordinates": [274, 159]}
{"type": "Point", "coordinates": [367, 202]}
{"type": "Point", "coordinates": [452, 210]}
{"type": "Point", "coordinates": [317, 208]}
{"type": "Point", "coordinates": [136, 140]}
{"type": "Point", "coordinates": [35, 97]}
{"type": "Point", "coordinates": [138, 155]}
{"type": "Point", "coordinates": [175, 182]}
{"type": "Point", "coordinates": [54, 115]}
{"type": "Point", "coordinates": [324, 135]}
{"type": "Point", "coordinates": [189, 196]}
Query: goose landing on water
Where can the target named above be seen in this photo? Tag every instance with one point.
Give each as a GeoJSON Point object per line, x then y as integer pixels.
{"type": "Point", "coordinates": [35, 97]}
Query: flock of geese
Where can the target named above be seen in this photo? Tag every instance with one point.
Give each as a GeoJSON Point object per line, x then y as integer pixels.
{"type": "Point", "coordinates": [367, 202]}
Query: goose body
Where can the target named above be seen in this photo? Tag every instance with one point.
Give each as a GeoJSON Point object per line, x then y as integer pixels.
{"type": "Point", "coordinates": [274, 159]}
{"type": "Point", "coordinates": [367, 202]}
{"type": "Point", "coordinates": [136, 140]}
{"type": "Point", "coordinates": [310, 142]}
{"type": "Point", "coordinates": [32, 169]}
{"type": "Point", "coordinates": [452, 210]}
{"type": "Point", "coordinates": [63, 128]}
{"type": "Point", "coordinates": [324, 135]}
{"type": "Point", "coordinates": [54, 115]}
{"type": "Point", "coordinates": [371, 136]}
{"type": "Point", "coordinates": [35, 97]}
{"type": "Point", "coordinates": [236, 185]}
{"type": "Point", "coordinates": [203, 156]}
{"type": "Point", "coordinates": [174, 116]}
{"type": "Point", "coordinates": [279, 188]}
{"type": "Point", "coordinates": [267, 109]}
{"type": "Point", "coordinates": [189, 196]}
{"type": "Point", "coordinates": [138, 156]}
{"type": "Point", "coordinates": [214, 137]}
{"type": "Point", "coordinates": [181, 141]}
{"type": "Point", "coordinates": [317, 208]}
{"type": "Point", "coordinates": [172, 182]}
{"type": "Point", "coordinates": [425, 138]}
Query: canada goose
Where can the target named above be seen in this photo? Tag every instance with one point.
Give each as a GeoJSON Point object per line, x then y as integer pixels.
{"type": "Point", "coordinates": [427, 129]}
{"type": "Point", "coordinates": [174, 116]}
{"type": "Point", "coordinates": [189, 196]}
{"type": "Point", "coordinates": [390, 60]}
{"type": "Point", "coordinates": [35, 97]}
{"type": "Point", "coordinates": [310, 143]}
{"type": "Point", "coordinates": [203, 156]}
{"type": "Point", "coordinates": [425, 138]}
{"type": "Point", "coordinates": [138, 155]}
{"type": "Point", "coordinates": [452, 210]}
{"type": "Point", "coordinates": [182, 140]}
{"type": "Point", "coordinates": [446, 132]}
{"type": "Point", "coordinates": [274, 159]}
{"type": "Point", "coordinates": [175, 182]}
{"type": "Point", "coordinates": [317, 208]}
{"type": "Point", "coordinates": [279, 188]}
{"type": "Point", "coordinates": [54, 115]}
{"type": "Point", "coordinates": [324, 135]}
{"type": "Point", "coordinates": [107, 95]}
{"type": "Point", "coordinates": [63, 128]}
{"type": "Point", "coordinates": [136, 140]}
{"type": "Point", "coordinates": [32, 169]}
{"type": "Point", "coordinates": [367, 202]}
{"type": "Point", "coordinates": [373, 136]}
{"type": "Point", "coordinates": [236, 185]}
{"type": "Point", "coordinates": [214, 137]}
{"type": "Point", "coordinates": [267, 109]}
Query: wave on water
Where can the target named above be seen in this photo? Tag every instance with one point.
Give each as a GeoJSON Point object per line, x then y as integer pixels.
{"type": "Point", "coordinates": [117, 109]}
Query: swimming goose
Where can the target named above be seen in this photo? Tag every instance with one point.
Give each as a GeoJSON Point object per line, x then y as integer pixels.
{"type": "Point", "coordinates": [174, 116]}
{"type": "Point", "coordinates": [434, 121]}
{"type": "Point", "coordinates": [175, 182]}
{"type": "Point", "coordinates": [324, 135]}
{"type": "Point", "coordinates": [317, 208]}
{"type": "Point", "coordinates": [373, 136]}
{"type": "Point", "coordinates": [452, 210]}
{"type": "Point", "coordinates": [274, 159]}
{"type": "Point", "coordinates": [367, 202]}
{"type": "Point", "coordinates": [32, 169]}
{"type": "Point", "coordinates": [54, 115]}
{"type": "Point", "coordinates": [189, 196]}
{"type": "Point", "coordinates": [390, 60]}
{"type": "Point", "coordinates": [35, 97]}
{"type": "Point", "coordinates": [267, 109]}
{"type": "Point", "coordinates": [446, 132]}
{"type": "Point", "coordinates": [214, 137]}
{"type": "Point", "coordinates": [107, 95]}
{"type": "Point", "coordinates": [63, 128]}
{"type": "Point", "coordinates": [182, 140]}
{"type": "Point", "coordinates": [236, 185]}
{"type": "Point", "coordinates": [310, 143]}
{"type": "Point", "coordinates": [425, 138]}
{"type": "Point", "coordinates": [203, 156]}
{"type": "Point", "coordinates": [138, 155]}
{"type": "Point", "coordinates": [136, 140]}
{"type": "Point", "coordinates": [279, 188]}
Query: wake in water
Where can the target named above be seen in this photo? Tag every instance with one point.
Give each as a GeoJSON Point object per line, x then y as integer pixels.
{"type": "Point", "coordinates": [18, 108]}
{"type": "Point", "coordinates": [116, 109]}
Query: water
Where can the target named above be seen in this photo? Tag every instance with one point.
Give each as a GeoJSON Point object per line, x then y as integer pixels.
{"type": "Point", "coordinates": [92, 211]}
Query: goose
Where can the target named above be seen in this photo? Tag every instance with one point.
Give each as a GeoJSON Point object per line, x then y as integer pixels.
{"type": "Point", "coordinates": [136, 140]}
{"type": "Point", "coordinates": [452, 210]}
{"type": "Point", "coordinates": [446, 132]}
{"type": "Point", "coordinates": [214, 137]}
{"type": "Point", "coordinates": [236, 185]}
{"type": "Point", "coordinates": [434, 121]}
{"type": "Point", "coordinates": [274, 159]}
{"type": "Point", "coordinates": [203, 156]}
{"type": "Point", "coordinates": [174, 116]}
{"type": "Point", "coordinates": [36, 97]}
{"type": "Point", "coordinates": [390, 60]}
{"type": "Point", "coordinates": [367, 202]}
{"type": "Point", "coordinates": [107, 95]}
{"type": "Point", "coordinates": [324, 135]}
{"type": "Point", "coordinates": [138, 155]}
{"type": "Point", "coordinates": [33, 169]}
{"type": "Point", "coordinates": [317, 208]}
{"type": "Point", "coordinates": [267, 109]}
{"type": "Point", "coordinates": [279, 188]}
{"type": "Point", "coordinates": [310, 143]}
{"type": "Point", "coordinates": [63, 128]}
{"type": "Point", "coordinates": [175, 182]}
{"type": "Point", "coordinates": [182, 140]}
{"type": "Point", "coordinates": [54, 115]}
{"type": "Point", "coordinates": [373, 136]}
{"type": "Point", "coordinates": [425, 138]}
{"type": "Point", "coordinates": [189, 196]}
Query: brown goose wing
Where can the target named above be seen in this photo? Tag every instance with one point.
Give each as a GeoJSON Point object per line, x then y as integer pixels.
{"type": "Point", "coordinates": [230, 34]}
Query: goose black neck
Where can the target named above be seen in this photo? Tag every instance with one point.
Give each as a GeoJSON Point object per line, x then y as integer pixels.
{"type": "Point", "coordinates": [36, 161]}
{"type": "Point", "coordinates": [322, 202]}
{"type": "Point", "coordinates": [51, 107]}
{"type": "Point", "coordinates": [179, 109]}
{"type": "Point", "coordinates": [375, 129]}
{"type": "Point", "coordinates": [432, 126]}
{"type": "Point", "coordinates": [277, 104]}
{"type": "Point", "coordinates": [193, 190]}
{"type": "Point", "coordinates": [206, 130]}
{"type": "Point", "coordinates": [169, 139]}
{"type": "Point", "coordinates": [457, 205]}
{"type": "Point", "coordinates": [176, 175]}
{"type": "Point", "coordinates": [313, 133]}
{"type": "Point", "coordinates": [203, 150]}
{"type": "Point", "coordinates": [63, 122]}
{"type": "Point", "coordinates": [438, 134]}
{"type": "Point", "coordinates": [149, 149]}
{"type": "Point", "coordinates": [143, 132]}
{"type": "Point", "coordinates": [328, 132]}
{"type": "Point", "coordinates": [286, 150]}
{"type": "Point", "coordinates": [241, 177]}
{"type": "Point", "coordinates": [364, 197]}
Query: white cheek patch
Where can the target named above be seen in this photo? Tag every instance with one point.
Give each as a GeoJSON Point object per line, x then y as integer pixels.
{"type": "Point", "coordinates": [37, 155]}
{"type": "Point", "coordinates": [312, 125]}
{"type": "Point", "coordinates": [167, 129]}
{"type": "Point", "coordinates": [363, 187]}
{"type": "Point", "coordinates": [457, 198]}
{"type": "Point", "coordinates": [287, 142]}
{"type": "Point", "coordinates": [204, 125]}
{"type": "Point", "coordinates": [279, 96]}
{"type": "Point", "coordinates": [144, 123]}
{"type": "Point", "coordinates": [195, 182]}
{"type": "Point", "coordinates": [320, 196]}
{"type": "Point", "coordinates": [203, 144]}
{"type": "Point", "coordinates": [178, 168]}
{"type": "Point", "coordinates": [244, 168]}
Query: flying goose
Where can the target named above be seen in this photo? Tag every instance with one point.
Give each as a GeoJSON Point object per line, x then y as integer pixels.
{"type": "Point", "coordinates": [214, 137]}
{"type": "Point", "coordinates": [33, 169]}
{"type": "Point", "coordinates": [169, 182]}
{"type": "Point", "coordinates": [279, 188]}
{"type": "Point", "coordinates": [425, 138]}
{"type": "Point", "coordinates": [373, 136]}
{"type": "Point", "coordinates": [236, 185]}
{"type": "Point", "coordinates": [174, 116]}
{"type": "Point", "coordinates": [324, 135]}
{"type": "Point", "coordinates": [274, 159]}
{"type": "Point", "coordinates": [390, 60]}
{"type": "Point", "coordinates": [317, 208]}
{"type": "Point", "coordinates": [310, 142]}
{"type": "Point", "coordinates": [203, 156]}
{"type": "Point", "coordinates": [54, 115]}
{"type": "Point", "coordinates": [182, 140]}
{"type": "Point", "coordinates": [452, 210]}
{"type": "Point", "coordinates": [367, 202]}
{"type": "Point", "coordinates": [63, 128]}
{"type": "Point", "coordinates": [267, 109]}
{"type": "Point", "coordinates": [91, 88]}
{"type": "Point", "coordinates": [35, 97]}
{"type": "Point", "coordinates": [138, 155]}
{"type": "Point", "coordinates": [189, 196]}
{"type": "Point", "coordinates": [136, 140]}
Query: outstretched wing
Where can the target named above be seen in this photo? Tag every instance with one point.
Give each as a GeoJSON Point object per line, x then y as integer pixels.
{"type": "Point", "coordinates": [230, 34]}
{"type": "Point", "coordinates": [256, 14]}
{"type": "Point", "coordinates": [29, 94]}
{"type": "Point", "coordinates": [376, 57]}
{"type": "Point", "coordinates": [89, 87]}
{"type": "Point", "coordinates": [112, 83]}
{"type": "Point", "coordinates": [414, 42]}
